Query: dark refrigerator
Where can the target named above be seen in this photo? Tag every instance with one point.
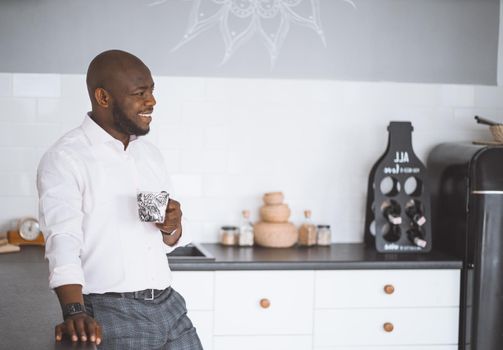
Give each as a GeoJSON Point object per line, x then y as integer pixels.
{"type": "Point", "coordinates": [466, 183]}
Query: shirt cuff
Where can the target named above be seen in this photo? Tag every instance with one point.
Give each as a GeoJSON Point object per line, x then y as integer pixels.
{"type": "Point", "coordinates": [66, 274]}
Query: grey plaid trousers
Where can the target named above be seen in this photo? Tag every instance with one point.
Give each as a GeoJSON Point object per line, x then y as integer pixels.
{"type": "Point", "coordinates": [134, 324]}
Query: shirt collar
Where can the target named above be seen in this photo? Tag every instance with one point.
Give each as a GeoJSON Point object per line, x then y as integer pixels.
{"type": "Point", "coordinates": [96, 134]}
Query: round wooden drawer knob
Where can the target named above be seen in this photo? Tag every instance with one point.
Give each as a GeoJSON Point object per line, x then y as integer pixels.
{"type": "Point", "coordinates": [389, 289]}
{"type": "Point", "coordinates": [388, 327]}
{"type": "Point", "coordinates": [265, 303]}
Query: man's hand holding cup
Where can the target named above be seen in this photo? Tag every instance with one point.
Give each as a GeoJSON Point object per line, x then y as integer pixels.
{"type": "Point", "coordinates": [171, 228]}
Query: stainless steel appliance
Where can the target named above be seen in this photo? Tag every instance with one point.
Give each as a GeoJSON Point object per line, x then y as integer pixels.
{"type": "Point", "coordinates": [466, 186]}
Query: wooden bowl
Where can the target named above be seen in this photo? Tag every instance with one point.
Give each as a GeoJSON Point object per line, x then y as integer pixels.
{"type": "Point", "coordinates": [275, 235]}
{"type": "Point", "coordinates": [497, 131]}
{"type": "Point", "coordinates": [273, 198]}
{"type": "Point", "coordinates": [275, 213]}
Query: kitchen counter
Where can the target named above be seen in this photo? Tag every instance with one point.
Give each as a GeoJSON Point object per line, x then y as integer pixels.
{"type": "Point", "coordinates": [29, 310]}
{"type": "Point", "coordinates": [335, 257]}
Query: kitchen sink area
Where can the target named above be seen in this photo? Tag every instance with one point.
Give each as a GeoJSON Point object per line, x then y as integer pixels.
{"type": "Point", "coordinates": [191, 253]}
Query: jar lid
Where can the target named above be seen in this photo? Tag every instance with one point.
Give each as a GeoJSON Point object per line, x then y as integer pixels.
{"type": "Point", "coordinates": [323, 226]}
{"type": "Point", "coordinates": [229, 228]}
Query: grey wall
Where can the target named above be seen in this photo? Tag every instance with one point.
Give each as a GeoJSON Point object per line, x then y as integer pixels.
{"type": "Point", "coordinates": [445, 41]}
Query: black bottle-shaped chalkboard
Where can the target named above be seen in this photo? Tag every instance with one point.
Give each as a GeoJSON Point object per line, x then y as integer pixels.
{"type": "Point", "coordinates": [398, 200]}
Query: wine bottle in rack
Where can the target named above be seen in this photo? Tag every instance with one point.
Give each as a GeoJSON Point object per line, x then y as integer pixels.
{"type": "Point", "coordinates": [391, 211]}
{"type": "Point", "coordinates": [414, 212]}
{"type": "Point", "coordinates": [393, 234]}
{"type": "Point", "coordinates": [416, 236]}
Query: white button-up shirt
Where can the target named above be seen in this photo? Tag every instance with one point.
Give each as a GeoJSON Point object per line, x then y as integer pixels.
{"type": "Point", "coordinates": [87, 186]}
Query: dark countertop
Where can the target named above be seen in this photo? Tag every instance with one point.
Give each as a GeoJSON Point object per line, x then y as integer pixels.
{"type": "Point", "coordinates": [29, 310]}
{"type": "Point", "coordinates": [335, 257]}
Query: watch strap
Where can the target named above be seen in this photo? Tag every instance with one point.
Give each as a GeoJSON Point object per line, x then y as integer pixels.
{"type": "Point", "coordinates": [73, 309]}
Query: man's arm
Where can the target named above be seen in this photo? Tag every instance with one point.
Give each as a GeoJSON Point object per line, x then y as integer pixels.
{"type": "Point", "coordinates": [60, 203]}
{"type": "Point", "coordinates": [79, 325]}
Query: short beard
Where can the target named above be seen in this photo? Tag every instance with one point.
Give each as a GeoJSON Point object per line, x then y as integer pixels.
{"type": "Point", "coordinates": [126, 125]}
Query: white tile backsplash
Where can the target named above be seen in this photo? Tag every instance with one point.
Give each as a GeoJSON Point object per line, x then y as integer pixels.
{"type": "Point", "coordinates": [28, 134]}
{"type": "Point", "coordinates": [5, 85]}
{"type": "Point", "coordinates": [180, 137]}
{"type": "Point", "coordinates": [204, 111]}
{"type": "Point", "coordinates": [17, 159]}
{"type": "Point", "coordinates": [488, 96]}
{"type": "Point", "coordinates": [203, 161]}
{"type": "Point", "coordinates": [179, 88]}
{"type": "Point", "coordinates": [389, 94]}
{"type": "Point", "coordinates": [169, 111]}
{"type": "Point", "coordinates": [227, 141]}
{"type": "Point", "coordinates": [217, 137]}
{"type": "Point", "coordinates": [74, 85]}
{"type": "Point", "coordinates": [12, 208]}
{"type": "Point", "coordinates": [17, 109]}
{"type": "Point", "coordinates": [187, 185]}
{"type": "Point", "coordinates": [16, 183]}
{"type": "Point", "coordinates": [36, 85]}
{"type": "Point", "coordinates": [458, 95]}
{"type": "Point", "coordinates": [172, 159]}
{"type": "Point", "coordinates": [67, 110]}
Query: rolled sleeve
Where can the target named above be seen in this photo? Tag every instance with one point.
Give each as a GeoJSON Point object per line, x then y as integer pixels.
{"type": "Point", "coordinates": [60, 214]}
{"type": "Point", "coordinates": [66, 274]}
{"type": "Point", "coordinates": [62, 252]}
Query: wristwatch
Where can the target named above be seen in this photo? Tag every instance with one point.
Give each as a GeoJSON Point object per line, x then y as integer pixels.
{"type": "Point", "coordinates": [73, 309]}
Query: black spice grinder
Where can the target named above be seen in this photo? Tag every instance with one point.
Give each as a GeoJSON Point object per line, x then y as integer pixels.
{"type": "Point", "coordinates": [398, 209]}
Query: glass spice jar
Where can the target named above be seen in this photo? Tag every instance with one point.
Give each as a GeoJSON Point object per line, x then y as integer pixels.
{"type": "Point", "coordinates": [323, 235]}
{"type": "Point", "coordinates": [245, 230]}
{"type": "Point", "coordinates": [307, 231]}
{"type": "Point", "coordinates": [229, 235]}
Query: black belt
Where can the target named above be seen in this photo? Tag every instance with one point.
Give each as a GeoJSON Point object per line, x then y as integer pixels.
{"type": "Point", "coordinates": [146, 294]}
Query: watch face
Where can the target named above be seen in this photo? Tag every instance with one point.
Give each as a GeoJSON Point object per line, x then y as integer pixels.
{"type": "Point", "coordinates": [29, 229]}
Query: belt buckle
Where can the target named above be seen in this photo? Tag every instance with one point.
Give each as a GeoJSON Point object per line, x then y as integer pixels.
{"type": "Point", "coordinates": [151, 295]}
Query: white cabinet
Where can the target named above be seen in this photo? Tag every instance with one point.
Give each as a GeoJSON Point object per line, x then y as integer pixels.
{"type": "Point", "coordinates": [392, 307]}
{"type": "Point", "coordinates": [323, 310]}
{"type": "Point", "coordinates": [197, 288]}
{"type": "Point", "coordinates": [264, 310]}
{"type": "Point", "coordinates": [264, 302]}
{"type": "Point", "coordinates": [386, 288]}
{"type": "Point", "coordinates": [402, 326]}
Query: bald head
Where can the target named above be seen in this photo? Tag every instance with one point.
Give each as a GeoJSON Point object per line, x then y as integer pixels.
{"type": "Point", "coordinates": [108, 68]}
{"type": "Point", "coordinates": [121, 90]}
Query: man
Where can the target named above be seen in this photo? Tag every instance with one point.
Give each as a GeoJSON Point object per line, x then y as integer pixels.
{"type": "Point", "coordinates": [108, 268]}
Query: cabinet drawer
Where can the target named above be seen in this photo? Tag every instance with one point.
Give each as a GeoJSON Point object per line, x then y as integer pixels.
{"type": "Point", "coordinates": [196, 287]}
{"type": "Point", "coordinates": [302, 342]}
{"type": "Point", "coordinates": [238, 296]}
{"type": "Point", "coordinates": [387, 288]}
{"type": "Point", "coordinates": [366, 327]}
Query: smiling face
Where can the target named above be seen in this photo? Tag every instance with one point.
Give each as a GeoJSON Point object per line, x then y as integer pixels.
{"type": "Point", "coordinates": [133, 102]}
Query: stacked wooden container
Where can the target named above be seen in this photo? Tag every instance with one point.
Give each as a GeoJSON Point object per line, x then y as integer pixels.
{"type": "Point", "coordinates": [274, 230]}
